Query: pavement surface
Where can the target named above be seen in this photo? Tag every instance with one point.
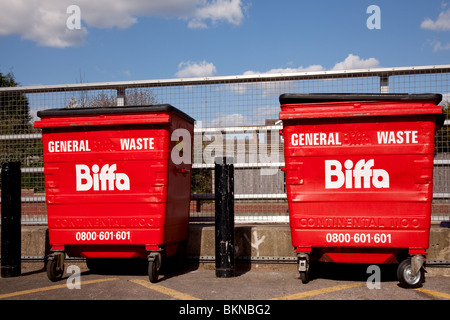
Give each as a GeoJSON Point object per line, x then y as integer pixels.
{"type": "Point", "coordinates": [252, 284]}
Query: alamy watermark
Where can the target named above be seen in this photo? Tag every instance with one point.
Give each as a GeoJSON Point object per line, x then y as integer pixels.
{"type": "Point", "coordinates": [73, 22]}
{"type": "Point", "coordinates": [259, 148]}
{"type": "Point", "coordinates": [374, 20]}
{"type": "Point", "coordinates": [374, 280]}
{"type": "Point", "coordinates": [74, 280]}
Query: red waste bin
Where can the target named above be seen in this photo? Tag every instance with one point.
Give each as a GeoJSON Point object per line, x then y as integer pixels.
{"type": "Point", "coordinates": [117, 183]}
{"type": "Point", "coordinates": [359, 177]}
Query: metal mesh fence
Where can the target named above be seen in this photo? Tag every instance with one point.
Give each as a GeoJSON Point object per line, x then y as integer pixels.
{"type": "Point", "coordinates": [235, 116]}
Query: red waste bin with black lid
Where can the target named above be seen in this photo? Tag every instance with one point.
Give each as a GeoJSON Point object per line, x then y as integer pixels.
{"type": "Point", "coordinates": [359, 177]}
{"type": "Point", "coordinates": [117, 183]}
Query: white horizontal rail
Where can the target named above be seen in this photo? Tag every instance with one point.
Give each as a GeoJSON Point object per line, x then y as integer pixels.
{"type": "Point", "coordinates": [237, 129]}
{"type": "Point", "coordinates": [441, 162]}
{"type": "Point", "coordinates": [28, 136]}
{"type": "Point", "coordinates": [194, 196]}
{"type": "Point", "coordinates": [33, 199]}
{"type": "Point", "coordinates": [441, 195]}
{"type": "Point", "coordinates": [120, 85]}
{"type": "Point", "coordinates": [262, 196]}
{"type": "Point", "coordinates": [210, 196]}
{"type": "Point", "coordinates": [32, 170]}
{"type": "Point", "coordinates": [236, 165]}
{"type": "Point", "coordinates": [241, 165]}
{"type": "Point", "coordinates": [261, 219]}
{"type": "Point", "coordinates": [273, 196]}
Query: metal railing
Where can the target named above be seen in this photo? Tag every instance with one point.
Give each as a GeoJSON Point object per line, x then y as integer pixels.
{"type": "Point", "coordinates": [241, 110]}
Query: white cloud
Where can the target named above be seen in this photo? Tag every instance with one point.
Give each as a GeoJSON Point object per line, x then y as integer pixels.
{"type": "Point", "coordinates": [237, 119]}
{"type": "Point", "coordinates": [228, 10]}
{"type": "Point", "coordinates": [445, 99]}
{"type": "Point", "coordinates": [438, 46]}
{"type": "Point", "coordinates": [289, 70]}
{"type": "Point", "coordinates": [351, 62]}
{"type": "Point", "coordinates": [40, 21]}
{"type": "Point", "coordinates": [225, 120]}
{"type": "Point", "coordinates": [44, 21]}
{"type": "Point", "coordinates": [192, 69]}
{"type": "Point", "coordinates": [355, 62]}
{"type": "Point", "coordinates": [441, 24]}
{"type": "Point", "coordinates": [268, 112]}
{"type": "Point", "coordinates": [273, 88]}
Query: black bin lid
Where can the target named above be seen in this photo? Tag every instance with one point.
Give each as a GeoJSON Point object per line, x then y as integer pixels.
{"type": "Point", "coordinates": [113, 110]}
{"type": "Point", "coordinates": [290, 98]}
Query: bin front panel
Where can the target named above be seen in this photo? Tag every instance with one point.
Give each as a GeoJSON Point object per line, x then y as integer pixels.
{"type": "Point", "coordinates": [98, 181]}
{"type": "Point", "coordinates": [360, 181]}
{"type": "Point", "coordinates": [108, 185]}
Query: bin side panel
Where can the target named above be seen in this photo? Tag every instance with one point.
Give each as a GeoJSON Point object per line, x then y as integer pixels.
{"type": "Point", "coordinates": [179, 179]}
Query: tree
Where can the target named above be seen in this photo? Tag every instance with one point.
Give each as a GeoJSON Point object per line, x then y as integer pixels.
{"type": "Point", "coordinates": [201, 181]}
{"type": "Point", "coordinates": [14, 110]}
{"type": "Point", "coordinates": [133, 97]}
{"type": "Point", "coordinates": [15, 120]}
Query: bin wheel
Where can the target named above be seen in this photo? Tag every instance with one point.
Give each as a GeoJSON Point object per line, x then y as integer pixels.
{"type": "Point", "coordinates": [406, 279]}
{"type": "Point", "coordinates": [303, 266]}
{"type": "Point", "coordinates": [53, 273]}
{"type": "Point", "coordinates": [153, 269]}
{"type": "Point", "coordinates": [304, 276]}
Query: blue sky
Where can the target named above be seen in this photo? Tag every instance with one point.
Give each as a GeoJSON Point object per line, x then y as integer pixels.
{"type": "Point", "coordinates": [137, 40]}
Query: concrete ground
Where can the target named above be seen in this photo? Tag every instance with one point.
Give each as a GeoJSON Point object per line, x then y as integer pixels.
{"type": "Point", "coordinates": [268, 291]}
{"type": "Point", "coordinates": [129, 281]}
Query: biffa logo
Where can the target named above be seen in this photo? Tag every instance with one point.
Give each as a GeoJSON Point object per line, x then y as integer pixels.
{"type": "Point", "coordinates": [362, 175]}
{"type": "Point", "coordinates": [107, 179]}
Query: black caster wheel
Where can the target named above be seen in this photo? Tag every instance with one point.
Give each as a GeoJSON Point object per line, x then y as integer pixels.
{"type": "Point", "coordinates": [53, 272]}
{"type": "Point", "coordinates": [304, 276]}
{"type": "Point", "coordinates": [406, 279]}
{"type": "Point", "coordinates": [154, 264]}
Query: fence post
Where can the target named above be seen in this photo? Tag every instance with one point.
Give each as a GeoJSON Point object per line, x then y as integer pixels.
{"type": "Point", "coordinates": [224, 216]}
{"type": "Point", "coordinates": [11, 224]}
{"type": "Point", "coordinates": [120, 97]}
{"type": "Point", "coordinates": [384, 84]}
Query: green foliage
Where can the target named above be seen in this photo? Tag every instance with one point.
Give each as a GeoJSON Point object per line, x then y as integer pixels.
{"type": "Point", "coordinates": [201, 181]}
{"type": "Point", "coordinates": [14, 111]}
{"type": "Point", "coordinates": [15, 119]}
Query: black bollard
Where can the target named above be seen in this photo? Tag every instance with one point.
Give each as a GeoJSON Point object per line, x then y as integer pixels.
{"type": "Point", "coordinates": [224, 217]}
{"type": "Point", "coordinates": [11, 224]}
